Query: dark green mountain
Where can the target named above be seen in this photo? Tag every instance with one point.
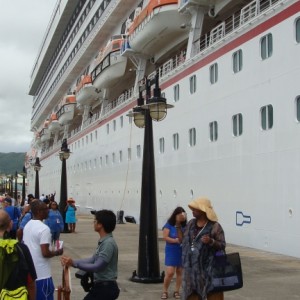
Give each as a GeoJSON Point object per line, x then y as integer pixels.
{"type": "Point", "coordinates": [11, 162]}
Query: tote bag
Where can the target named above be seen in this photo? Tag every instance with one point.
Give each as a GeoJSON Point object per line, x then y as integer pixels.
{"type": "Point", "coordinates": [227, 272]}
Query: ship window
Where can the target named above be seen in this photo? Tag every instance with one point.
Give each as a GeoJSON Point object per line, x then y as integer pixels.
{"type": "Point", "coordinates": [115, 125]}
{"type": "Point", "coordinates": [121, 121]}
{"type": "Point", "coordinates": [138, 151]}
{"type": "Point", "coordinates": [213, 131]}
{"type": "Point", "coordinates": [192, 137]}
{"type": "Point", "coordinates": [129, 154]}
{"type": "Point", "coordinates": [113, 158]}
{"type": "Point", "coordinates": [266, 113]}
{"type": "Point", "coordinates": [176, 92]}
{"type": "Point", "coordinates": [213, 73]}
{"type": "Point", "coordinates": [298, 108]}
{"type": "Point", "coordinates": [298, 30]}
{"type": "Point", "coordinates": [120, 156]}
{"type": "Point", "coordinates": [175, 141]}
{"type": "Point", "coordinates": [107, 128]}
{"type": "Point", "coordinates": [96, 134]}
{"type": "Point", "coordinates": [266, 46]}
{"type": "Point", "coordinates": [237, 124]}
{"type": "Point", "coordinates": [106, 159]}
{"type": "Point", "coordinates": [82, 142]}
{"type": "Point", "coordinates": [100, 161]}
{"type": "Point", "coordinates": [193, 84]}
{"type": "Point", "coordinates": [237, 61]}
{"type": "Point", "coordinates": [161, 145]}
{"type": "Point", "coordinates": [95, 163]}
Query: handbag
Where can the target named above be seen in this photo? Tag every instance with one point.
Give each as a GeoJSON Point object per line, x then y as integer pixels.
{"type": "Point", "coordinates": [20, 293]}
{"type": "Point", "coordinates": [226, 272]}
{"type": "Point", "coordinates": [86, 279]}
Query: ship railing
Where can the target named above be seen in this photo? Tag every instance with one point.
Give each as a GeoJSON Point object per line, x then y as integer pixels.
{"type": "Point", "coordinates": [91, 120]}
{"type": "Point", "coordinates": [122, 100]}
{"type": "Point", "coordinates": [235, 21]}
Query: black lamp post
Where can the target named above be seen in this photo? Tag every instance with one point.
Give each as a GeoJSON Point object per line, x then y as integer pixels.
{"type": "Point", "coordinates": [37, 167]}
{"type": "Point", "coordinates": [16, 187]}
{"type": "Point", "coordinates": [23, 184]}
{"type": "Point", "coordinates": [64, 154]}
{"type": "Point", "coordinates": [148, 257]}
{"type": "Point", "coordinates": [11, 185]}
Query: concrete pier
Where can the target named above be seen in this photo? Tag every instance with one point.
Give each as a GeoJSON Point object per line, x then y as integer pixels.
{"type": "Point", "coordinates": [267, 276]}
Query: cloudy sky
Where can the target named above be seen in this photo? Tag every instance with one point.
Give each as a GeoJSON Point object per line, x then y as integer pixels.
{"type": "Point", "coordinates": [22, 27]}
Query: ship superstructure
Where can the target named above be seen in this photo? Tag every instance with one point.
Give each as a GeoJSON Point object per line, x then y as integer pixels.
{"type": "Point", "coordinates": [230, 69]}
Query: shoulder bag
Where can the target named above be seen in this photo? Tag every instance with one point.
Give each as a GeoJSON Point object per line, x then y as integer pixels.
{"type": "Point", "coordinates": [226, 272]}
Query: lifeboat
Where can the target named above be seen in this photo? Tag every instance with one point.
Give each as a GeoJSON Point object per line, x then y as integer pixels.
{"type": "Point", "coordinates": [54, 125]}
{"type": "Point", "coordinates": [37, 140]}
{"type": "Point", "coordinates": [110, 65]}
{"type": "Point", "coordinates": [156, 26]}
{"type": "Point", "coordinates": [67, 109]}
{"type": "Point", "coordinates": [45, 132]}
{"type": "Point", "coordinates": [86, 93]}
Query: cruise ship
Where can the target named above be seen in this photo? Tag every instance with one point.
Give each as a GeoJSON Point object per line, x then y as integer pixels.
{"type": "Point", "coordinates": [230, 68]}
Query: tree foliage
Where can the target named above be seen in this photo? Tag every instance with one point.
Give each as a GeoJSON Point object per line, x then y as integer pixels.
{"type": "Point", "coordinates": [11, 162]}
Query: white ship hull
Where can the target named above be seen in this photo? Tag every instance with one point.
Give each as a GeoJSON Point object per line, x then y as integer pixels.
{"type": "Point", "coordinates": [251, 178]}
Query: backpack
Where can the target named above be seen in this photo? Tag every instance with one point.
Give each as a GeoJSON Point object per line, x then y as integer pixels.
{"type": "Point", "coordinates": [8, 260]}
{"type": "Point", "coordinates": [12, 262]}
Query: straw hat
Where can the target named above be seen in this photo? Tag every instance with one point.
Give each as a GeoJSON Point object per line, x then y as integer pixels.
{"type": "Point", "coordinates": [204, 205]}
{"type": "Point", "coordinates": [70, 200]}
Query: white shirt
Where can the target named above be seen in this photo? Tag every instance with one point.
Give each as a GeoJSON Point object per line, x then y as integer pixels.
{"type": "Point", "coordinates": [35, 234]}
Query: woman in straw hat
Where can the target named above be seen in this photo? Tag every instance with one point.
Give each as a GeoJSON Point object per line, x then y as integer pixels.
{"type": "Point", "coordinates": [202, 238]}
{"type": "Point", "coordinates": [71, 214]}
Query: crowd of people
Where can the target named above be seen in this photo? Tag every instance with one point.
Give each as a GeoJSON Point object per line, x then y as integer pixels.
{"type": "Point", "coordinates": [189, 250]}
{"type": "Point", "coordinates": [29, 237]}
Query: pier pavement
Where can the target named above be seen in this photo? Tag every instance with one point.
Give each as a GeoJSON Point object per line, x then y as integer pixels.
{"type": "Point", "coordinates": [267, 276]}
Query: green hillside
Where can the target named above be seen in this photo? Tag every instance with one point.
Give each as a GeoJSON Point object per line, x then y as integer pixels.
{"type": "Point", "coordinates": [11, 162]}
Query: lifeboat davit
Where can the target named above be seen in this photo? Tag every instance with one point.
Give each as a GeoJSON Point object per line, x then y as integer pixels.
{"type": "Point", "coordinates": [86, 93]}
{"type": "Point", "coordinates": [67, 109]}
{"type": "Point", "coordinates": [54, 125]}
{"type": "Point", "coordinates": [110, 65]}
{"type": "Point", "coordinates": [45, 132]}
{"type": "Point", "coordinates": [156, 26]}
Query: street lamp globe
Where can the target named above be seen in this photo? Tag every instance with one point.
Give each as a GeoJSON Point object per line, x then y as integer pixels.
{"type": "Point", "coordinates": [64, 155]}
{"type": "Point", "coordinates": [37, 166]}
{"type": "Point", "coordinates": [158, 108]}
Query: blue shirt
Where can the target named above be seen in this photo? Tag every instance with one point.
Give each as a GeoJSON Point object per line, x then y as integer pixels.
{"type": "Point", "coordinates": [55, 221]}
{"type": "Point", "coordinates": [14, 214]}
{"type": "Point", "coordinates": [25, 219]}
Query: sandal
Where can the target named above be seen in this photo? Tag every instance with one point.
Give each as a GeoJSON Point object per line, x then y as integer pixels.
{"type": "Point", "coordinates": [164, 295]}
{"type": "Point", "coordinates": [176, 295]}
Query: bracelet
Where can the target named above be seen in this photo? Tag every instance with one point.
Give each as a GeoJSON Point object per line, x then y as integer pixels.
{"type": "Point", "coordinates": [212, 243]}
